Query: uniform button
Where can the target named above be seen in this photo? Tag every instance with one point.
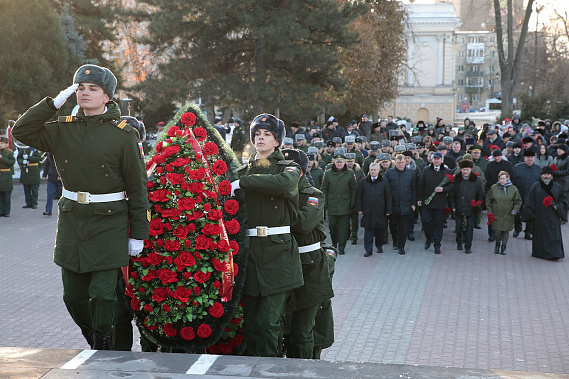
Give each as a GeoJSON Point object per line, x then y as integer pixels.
{"type": "Point", "coordinates": [109, 211]}
{"type": "Point", "coordinates": [272, 198]}
{"type": "Point", "coordinates": [107, 175]}
{"type": "Point", "coordinates": [62, 170]}
{"type": "Point", "coordinates": [66, 161]}
{"type": "Point", "coordinates": [102, 166]}
{"type": "Point", "coordinates": [276, 207]}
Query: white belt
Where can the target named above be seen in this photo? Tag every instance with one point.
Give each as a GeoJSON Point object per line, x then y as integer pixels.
{"type": "Point", "coordinates": [263, 231]}
{"type": "Point", "coordinates": [309, 248]}
{"type": "Point", "coordinates": [86, 197]}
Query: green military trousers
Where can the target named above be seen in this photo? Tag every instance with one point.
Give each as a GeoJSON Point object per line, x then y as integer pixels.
{"type": "Point", "coordinates": [339, 230]}
{"type": "Point", "coordinates": [323, 328]}
{"type": "Point", "coordinates": [300, 339]}
{"type": "Point", "coordinates": [122, 329]}
{"type": "Point", "coordinates": [91, 298]}
{"type": "Point", "coordinates": [262, 323]}
{"type": "Point", "coordinates": [354, 226]}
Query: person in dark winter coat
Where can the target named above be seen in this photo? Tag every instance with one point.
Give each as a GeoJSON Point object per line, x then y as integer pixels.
{"type": "Point", "coordinates": [561, 170]}
{"type": "Point", "coordinates": [54, 186]}
{"type": "Point", "coordinates": [547, 204]}
{"type": "Point", "coordinates": [374, 205]}
{"type": "Point", "coordinates": [503, 203]}
{"type": "Point", "coordinates": [526, 174]}
{"type": "Point", "coordinates": [468, 200]}
{"type": "Point", "coordinates": [433, 199]}
{"type": "Point", "coordinates": [402, 182]}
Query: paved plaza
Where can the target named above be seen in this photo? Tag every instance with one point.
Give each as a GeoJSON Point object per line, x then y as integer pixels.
{"type": "Point", "coordinates": [477, 311]}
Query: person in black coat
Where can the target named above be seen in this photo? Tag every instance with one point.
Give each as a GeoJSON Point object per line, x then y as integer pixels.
{"type": "Point", "coordinates": [468, 200]}
{"type": "Point", "coordinates": [526, 174]}
{"type": "Point", "coordinates": [402, 182]}
{"type": "Point", "coordinates": [373, 202]}
{"type": "Point", "coordinates": [54, 185]}
{"type": "Point", "coordinates": [433, 213]}
{"type": "Point", "coordinates": [492, 139]}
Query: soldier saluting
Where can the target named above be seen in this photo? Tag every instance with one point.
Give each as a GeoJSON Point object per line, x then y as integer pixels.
{"type": "Point", "coordinates": [99, 161]}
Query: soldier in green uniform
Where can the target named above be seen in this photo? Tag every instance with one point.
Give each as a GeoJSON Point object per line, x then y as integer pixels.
{"type": "Point", "coordinates": [99, 161]}
{"type": "Point", "coordinates": [324, 324]}
{"type": "Point", "coordinates": [350, 142]}
{"type": "Point", "coordinates": [309, 232]}
{"type": "Point", "coordinates": [328, 155]}
{"type": "Point", "coordinates": [316, 172]}
{"type": "Point", "coordinates": [359, 174]}
{"type": "Point", "coordinates": [238, 139]}
{"type": "Point", "coordinates": [340, 187]}
{"type": "Point", "coordinates": [301, 144]}
{"type": "Point", "coordinates": [274, 269]}
{"type": "Point", "coordinates": [373, 151]}
{"type": "Point", "coordinates": [29, 162]}
{"type": "Point", "coordinates": [7, 162]}
{"type": "Point", "coordinates": [385, 163]}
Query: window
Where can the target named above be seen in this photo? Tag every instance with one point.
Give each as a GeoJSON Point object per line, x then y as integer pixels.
{"type": "Point", "coordinates": [491, 68]}
{"type": "Point", "coordinates": [460, 68]}
{"type": "Point", "coordinates": [462, 40]}
{"type": "Point", "coordinates": [461, 54]}
{"type": "Point", "coordinates": [475, 97]}
{"type": "Point", "coordinates": [461, 82]}
{"type": "Point", "coordinates": [474, 68]}
{"type": "Point", "coordinates": [492, 39]}
{"type": "Point", "coordinates": [492, 54]}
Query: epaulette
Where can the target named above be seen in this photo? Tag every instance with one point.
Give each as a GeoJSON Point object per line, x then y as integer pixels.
{"type": "Point", "coordinates": [67, 119]}
{"type": "Point", "coordinates": [309, 190]}
{"type": "Point", "coordinates": [285, 162]}
{"type": "Point", "coordinates": [122, 125]}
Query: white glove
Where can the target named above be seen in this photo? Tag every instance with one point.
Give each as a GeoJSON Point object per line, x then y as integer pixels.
{"type": "Point", "coordinates": [25, 161]}
{"type": "Point", "coordinates": [25, 156]}
{"type": "Point", "coordinates": [235, 186]}
{"type": "Point", "coordinates": [63, 95]}
{"type": "Point", "coordinates": [135, 246]}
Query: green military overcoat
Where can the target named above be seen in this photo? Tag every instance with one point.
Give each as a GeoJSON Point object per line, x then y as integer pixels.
{"type": "Point", "coordinates": [317, 175]}
{"type": "Point", "coordinates": [271, 194]}
{"type": "Point", "coordinates": [30, 172]}
{"type": "Point", "coordinates": [309, 229]}
{"type": "Point", "coordinates": [6, 166]}
{"type": "Point", "coordinates": [99, 155]}
{"type": "Point", "coordinates": [340, 189]}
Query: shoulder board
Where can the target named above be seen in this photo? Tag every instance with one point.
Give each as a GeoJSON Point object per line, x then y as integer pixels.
{"type": "Point", "coordinates": [285, 162]}
{"type": "Point", "coordinates": [67, 119]}
{"type": "Point", "coordinates": [309, 190]}
{"type": "Point", "coordinates": [122, 125]}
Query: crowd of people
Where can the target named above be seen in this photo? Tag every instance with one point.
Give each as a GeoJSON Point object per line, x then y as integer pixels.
{"type": "Point", "coordinates": [392, 178]}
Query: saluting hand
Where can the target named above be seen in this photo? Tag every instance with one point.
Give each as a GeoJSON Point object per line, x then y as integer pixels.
{"type": "Point", "coordinates": [63, 95]}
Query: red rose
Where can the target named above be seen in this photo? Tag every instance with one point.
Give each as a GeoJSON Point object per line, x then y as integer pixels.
{"type": "Point", "coordinates": [159, 242]}
{"type": "Point", "coordinates": [149, 185]}
{"type": "Point", "coordinates": [215, 214]}
{"type": "Point", "coordinates": [169, 330]}
{"type": "Point", "coordinates": [224, 188]}
{"type": "Point", "coordinates": [232, 226]}
{"type": "Point", "coordinates": [219, 167]}
{"type": "Point", "coordinates": [210, 148]}
{"type": "Point", "coordinates": [172, 131]}
{"type": "Point", "coordinates": [154, 259]}
{"type": "Point", "coordinates": [204, 331]}
{"type": "Point", "coordinates": [218, 264]}
{"type": "Point", "coordinates": [159, 159]}
{"type": "Point", "coordinates": [175, 178]}
{"type": "Point", "coordinates": [150, 327]}
{"type": "Point", "coordinates": [169, 168]}
{"type": "Point", "coordinates": [236, 320]}
{"type": "Point", "coordinates": [184, 260]}
{"type": "Point", "coordinates": [194, 216]}
{"type": "Point", "coordinates": [196, 290]}
{"type": "Point", "coordinates": [162, 179]}
{"type": "Point", "coordinates": [135, 304]}
{"type": "Point", "coordinates": [202, 277]}
{"type": "Point", "coordinates": [148, 308]}
{"type": "Point", "coordinates": [165, 307]}
{"type": "Point", "coordinates": [172, 245]}
{"type": "Point", "coordinates": [188, 119]}
{"type": "Point", "coordinates": [160, 294]}
{"type": "Point", "coordinates": [235, 269]}
{"type": "Point", "coordinates": [200, 133]}
{"type": "Point", "coordinates": [223, 246]}
{"type": "Point", "coordinates": [547, 201]}
{"type": "Point", "coordinates": [234, 246]}
{"type": "Point", "coordinates": [187, 333]}
{"type": "Point", "coordinates": [160, 195]}
{"type": "Point", "coordinates": [156, 227]}
{"type": "Point", "coordinates": [207, 207]}
{"type": "Point", "coordinates": [225, 348]}
{"type": "Point", "coordinates": [159, 147]}
{"type": "Point", "coordinates": [171, 150]}
{"type": "Point", "coordinates": [211, 229]}
{"type": "Point", "coordinates": [197, 174]}
{"type": "Point", "coordinates": [183, 294]}
{"type": "Point", "coordinates": [186, 203]}
{"type": "Point", "coordinates": [181, 231]}
{"type": "Point", "coordinates": [237, 340]}
{"type": "Point", "coordinates": [231, 206]}
{"type": "Point", "coordinates": [195, 188]}
{"type": "Point", "coordinates": [148, 277]}
{"type": "Point", "coordinates": [216, 310]}
{"type": "Point", "coordinates": [167, 276]}
{"type": "Point", "coordinates": [217, 284]}
{"type": "Point", "coordinates": [181, 162]}
{"type": "Point", "coordinates": [202, 242]}
{"type": "Point", "coordinates": [171, 213]}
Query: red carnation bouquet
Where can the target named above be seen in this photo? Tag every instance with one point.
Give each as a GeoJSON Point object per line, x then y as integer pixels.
{"type": "Point", "coordinates": [548, 200]}
{"type": "Point", "coordinates": [491, 218]}
{"type": "Point", "coordinates": [475, 203]}
{"type": "Point", "coordinates": [447, 179]}
{"type": "Point", "coordinates": [554, 167]}
{"type": "Point", "coordinates": [185, 285]}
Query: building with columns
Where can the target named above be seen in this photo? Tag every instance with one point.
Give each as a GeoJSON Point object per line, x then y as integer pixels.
{"type": "Point", "coordinates": [427, 87]}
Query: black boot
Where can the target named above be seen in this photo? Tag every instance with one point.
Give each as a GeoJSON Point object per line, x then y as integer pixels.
{"type": "Point", "coordinates": [497, 248]}
{"type": "Point", "coordinates": [88, 334]}
{"type": "Point", "coordinates": [503, 251]}
{"type": "Point", "coordinates": [102, 342]}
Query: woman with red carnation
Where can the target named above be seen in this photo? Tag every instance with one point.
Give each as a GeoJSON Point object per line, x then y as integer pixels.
{"type": "Point", "coordinates": [270, 184]}
{"type": "Point", "coordinates": [546, 203]}
{"type": "Point", "coordinates": [503, 203]}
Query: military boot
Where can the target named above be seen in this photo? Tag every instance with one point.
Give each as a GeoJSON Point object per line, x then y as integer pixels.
{"type": "Point", "coordinates": [102, 342]}
{"type": "Point", "coordinates": [88, 334]}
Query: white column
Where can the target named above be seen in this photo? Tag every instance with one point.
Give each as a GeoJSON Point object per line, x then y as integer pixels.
{"type": "Point", "coordinates": [440, 60]}
{"type": "Point", "coordinates": [410, 47]}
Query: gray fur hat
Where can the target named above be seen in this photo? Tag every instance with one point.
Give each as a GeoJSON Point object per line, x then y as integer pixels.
{"type": "Point", "coordinates": [101, 76]}
{"type": "Point", "coordinates": [270, 123]}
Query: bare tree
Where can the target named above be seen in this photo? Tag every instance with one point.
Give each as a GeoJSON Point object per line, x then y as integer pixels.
{"type": "Point", "coordinates": [510, 62]}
